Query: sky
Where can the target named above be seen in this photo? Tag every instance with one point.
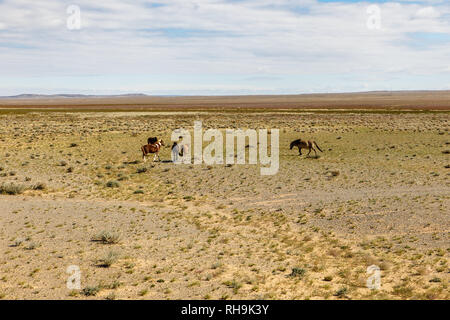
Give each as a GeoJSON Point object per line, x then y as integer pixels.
{"type": "Point", "coordinates": [223, 47]}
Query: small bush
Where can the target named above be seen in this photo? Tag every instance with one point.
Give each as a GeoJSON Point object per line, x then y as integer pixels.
{"type": "Point", "coordinates": [90, 291]}
{"type": "Point", "coordinates": [233, 285]}
{"type": "Point", "coordinates": [39, 186]}
{"type": "Point", "coordinates": [12, 189]}
{"type": "Point", "coordinates": [341, 292]}
{"type": "Point", "coordinates": [108, 260]}
{"type": "Point", "coordinates": [141, 170]}
{"type": "Point", "coordinates": [17, 243]}
{"type": "Point", "coordinates": [107, 237]}
{"type": "Point", "coordinates": [297, 272]}
{"type": "Point", "coordinates": [113, 184]}
{"type": "Point", "coordinates": [31, 246]}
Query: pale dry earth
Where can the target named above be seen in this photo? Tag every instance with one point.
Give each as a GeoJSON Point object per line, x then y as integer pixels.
{"type": "Point", "coordinates": [377, 195]}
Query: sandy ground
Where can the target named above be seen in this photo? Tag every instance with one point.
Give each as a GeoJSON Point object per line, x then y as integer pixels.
{"type": "Point", "coordinates": [377, 195]}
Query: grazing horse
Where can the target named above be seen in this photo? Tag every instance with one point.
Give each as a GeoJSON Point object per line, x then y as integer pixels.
{"type": "Point", "coordinates": [152, 148]}
{"type": "Point", "coordinates": [305, 145]}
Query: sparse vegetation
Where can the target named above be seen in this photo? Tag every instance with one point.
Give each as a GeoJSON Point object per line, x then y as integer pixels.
{"type": "Point", "coordinates": [108, 260]}
{"type": "Point", "coordinates": [376, 196]}
{"type": "Point", "coordinates": [12, 189]}
{"type": "Point", "coordinates": [107, 237]}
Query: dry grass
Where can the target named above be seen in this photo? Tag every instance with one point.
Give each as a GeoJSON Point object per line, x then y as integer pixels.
{"type": "Point", "coordinates": [377, 195]}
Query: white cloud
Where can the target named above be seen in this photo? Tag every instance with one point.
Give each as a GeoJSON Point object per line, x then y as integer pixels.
{"type": "Point", "coordinates": [218, 37]}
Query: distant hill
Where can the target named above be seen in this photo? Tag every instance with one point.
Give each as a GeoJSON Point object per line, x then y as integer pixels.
{"type": "Point", "coordinates": [379, 100]}
{"type": "Point", "coordinates": [57, 96]}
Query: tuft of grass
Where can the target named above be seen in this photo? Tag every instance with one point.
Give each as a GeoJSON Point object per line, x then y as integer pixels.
{"type": "Point", "coordinates": [143, 292]}
{"type": "Point", "coordinates": [90, 291]}
{"type": "Point", "coordinates": [113, 184]}
{"type": "Point", "coordinates": [39, 186]}
{"type": "Point", "coordinates": [141, 170]}
{"type": "Point", "coordinates": [341, 292]}
{"type": "Point", "coordinates": [31, 246]}
{"type": "Point", "coordinates": [403, 291]}
{"type": "Point", "coordinates": [297, 273]}
{"type": "Point", "coordinates": [12, 189]}
{"type": "Point", "coordinates": [108, 260]}
{"type": "Point", "coordinates": [17, 243]}
{"type": "Point", "coordinates": [233, 285]}
{"type": "Point", "coordinates": [111, 296]}
{"type": "Point", "coordinates": [107, 237]}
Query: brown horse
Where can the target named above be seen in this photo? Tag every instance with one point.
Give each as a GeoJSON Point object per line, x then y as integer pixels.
{"type": "Point", "coordinates": [305, 145]}
{"type": "Point", "coordinates": [152, 148]}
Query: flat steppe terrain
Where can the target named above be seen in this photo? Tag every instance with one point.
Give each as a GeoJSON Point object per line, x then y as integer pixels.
{"type": "Point", "coordinates": [382, 100]}
{"type": "Point", "coordinates": [76, 192]}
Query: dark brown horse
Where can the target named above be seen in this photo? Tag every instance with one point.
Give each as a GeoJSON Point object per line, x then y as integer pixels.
{"type": "Point", "coordinates": [152, 140]}
{"type": "Point", "coordinates": [301, 144]}
{"type": "Point", "coordinates": [152, 148]}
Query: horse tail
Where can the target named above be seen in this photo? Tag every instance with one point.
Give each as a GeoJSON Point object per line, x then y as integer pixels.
{"type": "Point", "coordinates": [317, 146]}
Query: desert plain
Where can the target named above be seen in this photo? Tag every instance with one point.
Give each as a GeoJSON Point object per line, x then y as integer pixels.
{"type": "Point", "coordinates": [75, 192]}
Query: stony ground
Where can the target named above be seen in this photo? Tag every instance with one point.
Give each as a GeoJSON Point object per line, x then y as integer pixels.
{"type": "Point", "coordinates": [377, 195]}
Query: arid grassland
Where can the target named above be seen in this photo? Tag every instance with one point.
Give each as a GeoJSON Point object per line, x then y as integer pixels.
{"type": "Point", "coordinates": [74, 191]}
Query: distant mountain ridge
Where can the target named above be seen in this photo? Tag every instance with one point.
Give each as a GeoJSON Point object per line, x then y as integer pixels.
{"type": "Point", "coordinates": [57, 96]}
{"type": "Point", "coordinates": [376, 100]}
{"type": "Point", "coordinates": [137, 95]}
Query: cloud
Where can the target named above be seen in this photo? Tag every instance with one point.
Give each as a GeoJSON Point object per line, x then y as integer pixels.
{"type": "Point", "coordinates": [246, 39]}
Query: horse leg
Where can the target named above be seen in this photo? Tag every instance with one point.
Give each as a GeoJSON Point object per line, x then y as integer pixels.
{"type": "Point", "coordinates": [315, 152]}
{"type": "Point", "coordinates": [144, 158]}
{"type": "Point", "coordinates": [159, 159]}
{"type": "Point", "coordinates": [309, 151]}
{"type": "Point", "coordinates": [300, 151]}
